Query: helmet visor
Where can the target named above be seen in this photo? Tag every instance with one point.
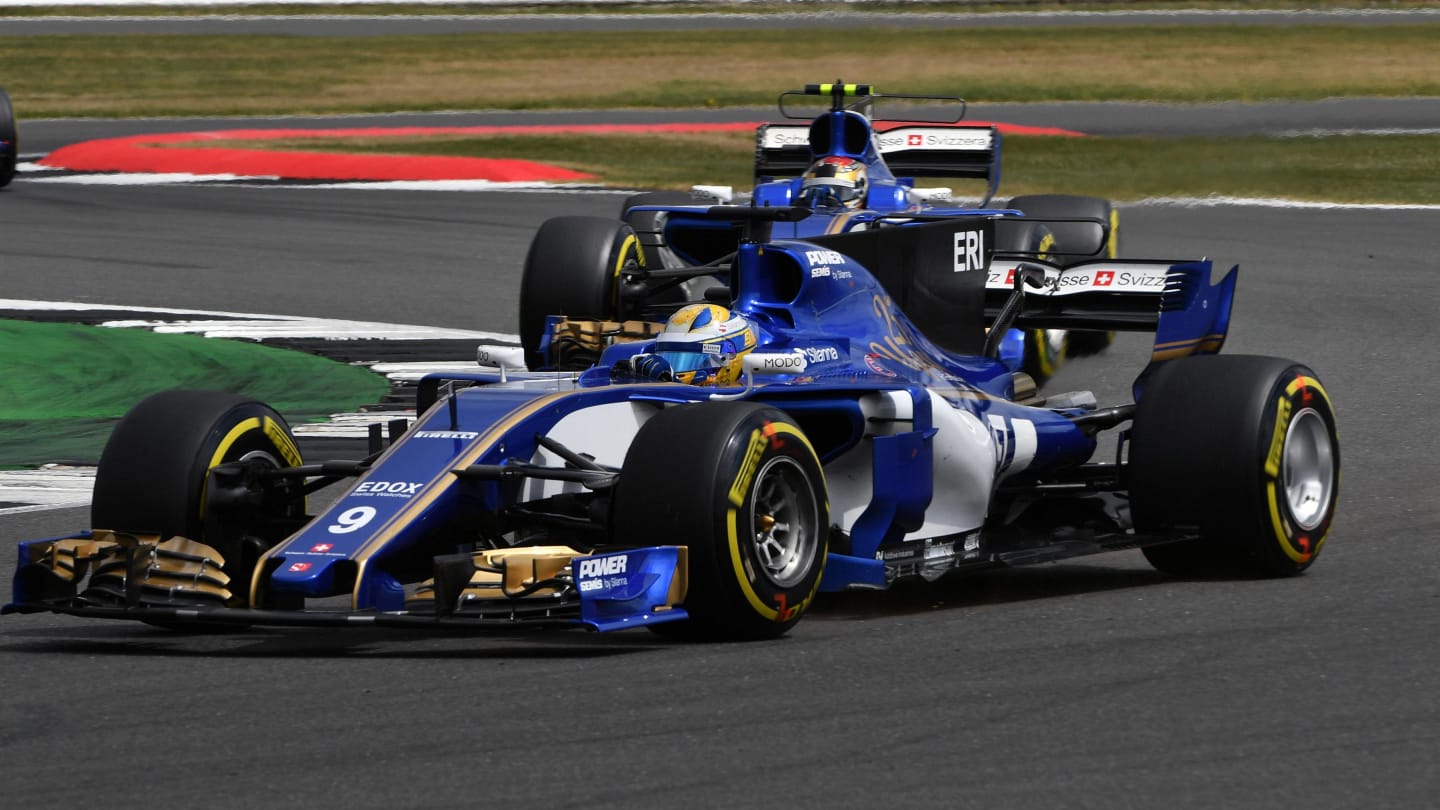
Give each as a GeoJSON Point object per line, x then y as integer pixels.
{"type": "Point", "coordinates": [830, 188]}
{"type": "Point", "coordinates": [683, 361]}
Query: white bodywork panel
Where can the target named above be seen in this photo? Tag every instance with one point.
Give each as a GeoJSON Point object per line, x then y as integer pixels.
{"type": "Point", "coordinates": [964, 467]}
{"type": "Point", "coordinates": [965, 454]}
{"type": "Point", "coordinates": [602, 431]}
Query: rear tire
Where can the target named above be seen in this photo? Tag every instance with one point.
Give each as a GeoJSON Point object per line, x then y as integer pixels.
{"type": "Point", "coordinates": [154, 469]}
{"type": "Point", "coordinates": [1245, 449]}
{"type": "Point", "coordinates": [752, 510]}
{"type": "Point", "coordinates": [574, 268]}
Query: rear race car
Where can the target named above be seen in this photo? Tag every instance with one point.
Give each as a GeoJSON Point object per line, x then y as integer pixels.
{"type": "Point", "coordinates": [662, 253]}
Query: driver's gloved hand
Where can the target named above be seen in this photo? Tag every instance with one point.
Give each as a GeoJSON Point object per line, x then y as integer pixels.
{"type": "Point", "coordinates": [652, 367]}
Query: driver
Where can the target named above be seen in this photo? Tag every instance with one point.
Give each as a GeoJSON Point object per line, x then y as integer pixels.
{"type": "Point", "coordinates": [833, 182]}
{"type": "Point", "coordinates": [701, 344]}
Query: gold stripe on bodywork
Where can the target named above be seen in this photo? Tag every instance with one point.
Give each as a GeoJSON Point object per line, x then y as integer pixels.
{"type": "Point", "coordinates": [837, 225]}
{"type": "Point", "coordinates": [442, 482]}
{"type": "Point", "coordinates": [426, 497]}
{"type": "Point", "coordinates": [1185, 348]}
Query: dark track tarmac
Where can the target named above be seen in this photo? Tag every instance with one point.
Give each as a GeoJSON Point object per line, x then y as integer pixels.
{"type": "Point", "coordinates": [1096, 118]}
{"type": "Point", "coordinates": [1091, 685]}
{"type": "Point", "coordinates": [1097, 684]}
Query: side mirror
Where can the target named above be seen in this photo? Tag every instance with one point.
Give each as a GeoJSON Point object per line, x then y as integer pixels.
{"type": "Point", "coordinates": [504, 358]}
{"type": "Point", "coordinates": [720, 194]}
{"type": "Point", "coordinates": [771, 364]}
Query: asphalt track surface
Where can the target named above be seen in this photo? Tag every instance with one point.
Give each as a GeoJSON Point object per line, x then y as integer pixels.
{"type": "Point", "coordinates": [1095, 118]}
{"type": "Point", "coordinates": [1092, 684]}
{"type": "Point", "coordinates": [1096, 684]}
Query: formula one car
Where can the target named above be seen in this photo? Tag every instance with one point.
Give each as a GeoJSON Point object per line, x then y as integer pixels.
{"type": "Point", "coordinates": [836, 446]}
{"type": "Point", "coordinates": [855, 170]}
{"type": "Point", "coordinates": [9, 141]}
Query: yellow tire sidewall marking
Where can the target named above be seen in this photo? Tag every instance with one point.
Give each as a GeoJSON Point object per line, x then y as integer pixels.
{"type": "Point", "coordinates": [1285, 413]}
{"type": "Point", "coordinates": [231, 437]}
{"type": "Point", "coordinates": [631, 240]}
{"type": "Point", "coordinates": [732, 522]}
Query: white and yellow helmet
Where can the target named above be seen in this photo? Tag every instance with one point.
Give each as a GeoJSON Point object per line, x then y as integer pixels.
{"type": "Point", "coordinates": [833, 182]}
{"type": "Point", "coordinates": [703, 343]}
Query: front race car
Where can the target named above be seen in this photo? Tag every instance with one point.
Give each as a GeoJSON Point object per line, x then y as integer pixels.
{"type": "Point", "coordinates": [853, 451]}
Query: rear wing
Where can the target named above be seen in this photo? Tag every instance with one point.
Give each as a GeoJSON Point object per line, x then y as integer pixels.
{"type": "Point", "coordinates": [969, 151]}
{"type": "Point", "coordinates": [1178, 301]}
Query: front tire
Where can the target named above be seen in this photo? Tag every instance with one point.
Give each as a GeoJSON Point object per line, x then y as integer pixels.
{"type": "Point", "coordinates": [750, 505]}
{"type": "Point", "coordinates": [574, 268]}
{"type": "Point", "coordinates": [647, 224]}
{"type": "Point", "coordinates": [1044, 348]}
{"type": "Point", "coordinates": [1245, 449]}
{"type": "Point", "coordinates": [1070, 239]}
{"type": "Point", "coordinates": [154, 470]}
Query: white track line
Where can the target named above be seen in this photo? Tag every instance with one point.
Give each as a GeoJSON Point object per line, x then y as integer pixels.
{"type": "Point", "coordinates": [50, 487]}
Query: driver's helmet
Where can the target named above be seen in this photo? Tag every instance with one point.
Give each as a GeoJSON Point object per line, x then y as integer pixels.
{"type": "Point", "coordinates": [704, 343]}
{"type": "Point", "coordinates": [833, 182]}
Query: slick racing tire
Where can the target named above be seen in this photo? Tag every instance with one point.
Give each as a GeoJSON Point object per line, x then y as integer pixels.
{"type": "Point", "coordinates": [1242, 448]}
{"type": "Point", "coordinates": [153, 472]}
{"type": "Point", "coordinates": [655, 198]}
{"type": "Point", "coordinates": [750, 504]}
{"type": "Point", "coordinates": [1045, 349]}
{"type": "Point", "coordinates": [574, 268]}
{"type": "Point", "coordinates": [647, 223]}
{"type": "Point", "coordinates": [9, 140]}
{"type": "Point", "coordinates": [640, 221]}
{"type": "Point", "coordinates": [1075, 238]}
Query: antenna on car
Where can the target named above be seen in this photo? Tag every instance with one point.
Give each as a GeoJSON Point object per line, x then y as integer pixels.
{"type": "Point", "coordinates": [838, 92]}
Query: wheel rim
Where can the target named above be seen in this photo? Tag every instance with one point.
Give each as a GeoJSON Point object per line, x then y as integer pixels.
{"type": "Point", "coordinates": [783, 515]}
{"type": "Point", "coordinates": [268, 458]}
{"type": "Point", "coordinates": [1308, 469]}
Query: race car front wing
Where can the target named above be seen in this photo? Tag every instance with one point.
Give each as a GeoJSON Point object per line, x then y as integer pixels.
{"type": "Point", "coordinates": [104, 574]}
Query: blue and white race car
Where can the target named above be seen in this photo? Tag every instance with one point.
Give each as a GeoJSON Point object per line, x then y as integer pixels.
{"type": "Point", "coordinates": [856, 171]}
{"type": "Point", "coordinates": [799, 434]}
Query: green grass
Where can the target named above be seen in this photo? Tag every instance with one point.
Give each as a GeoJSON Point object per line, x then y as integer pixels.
{"type": "Point", "coordinates": [150, 75]}
{"type": "Point", "coordinates": [1402, 169]}
{"type": "Point", "coordinates": [66, 385]}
